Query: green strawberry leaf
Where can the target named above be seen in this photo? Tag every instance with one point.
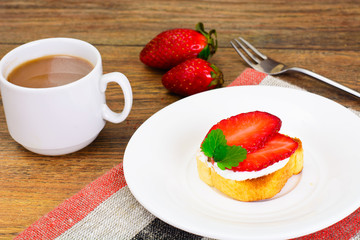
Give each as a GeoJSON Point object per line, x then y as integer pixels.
{"type": "Point", "coordinates": [205, 53]}
{"type": "Point", "coordinates": [215, 146]}
{"type": "Point", "coordinates": [211, 37]}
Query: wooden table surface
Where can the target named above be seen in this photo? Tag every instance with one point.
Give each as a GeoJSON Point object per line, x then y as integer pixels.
{"type": "Point", "coordinates": [323, 36]}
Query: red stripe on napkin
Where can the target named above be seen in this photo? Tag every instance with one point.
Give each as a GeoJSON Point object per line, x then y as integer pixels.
{"type": "Point", "coordinates": [77, 207]}
{"type": "Point", "coordinates": [248, 77]}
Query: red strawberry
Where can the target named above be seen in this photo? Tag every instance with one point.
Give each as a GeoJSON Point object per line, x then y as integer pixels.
{"type": "Point", "coordinates": [250, 130]}
{"type": "Point", "coordinates": [174, 46]}
{"type": "Point", "coordinates": [277, 148]}
{"type": "Point", "coordinates": [192, 76]}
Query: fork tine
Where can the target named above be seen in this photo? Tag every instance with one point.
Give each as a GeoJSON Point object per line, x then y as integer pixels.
{"type": "Point", "coordinates": [257, 60]}
{"type": "Point", "coordinates": [253, 48]}
{"type": "Point", "coordinates": [242, 55]}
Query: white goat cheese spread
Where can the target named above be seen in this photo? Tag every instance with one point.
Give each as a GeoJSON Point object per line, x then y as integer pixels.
{"type": "Point", "coordinates": [241, 175]}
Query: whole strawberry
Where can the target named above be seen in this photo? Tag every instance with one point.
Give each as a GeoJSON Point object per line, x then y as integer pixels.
{"type": "Point", "coordinates": [174, 46]}
{"type": "Point", "coordinates": [192, 76]}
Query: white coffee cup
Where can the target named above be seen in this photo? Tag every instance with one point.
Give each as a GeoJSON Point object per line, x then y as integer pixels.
{"type": "Point", "coordinates": [63, 119]}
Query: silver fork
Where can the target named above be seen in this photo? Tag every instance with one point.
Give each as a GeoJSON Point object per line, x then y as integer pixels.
{"type": "Point", "coordinates": [262, 63]}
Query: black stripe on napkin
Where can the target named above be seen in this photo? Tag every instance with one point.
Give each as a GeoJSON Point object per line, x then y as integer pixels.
{"type": "Point", "coordinates": [160, 230]}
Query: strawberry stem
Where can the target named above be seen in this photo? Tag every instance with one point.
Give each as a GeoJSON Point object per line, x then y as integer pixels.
{"type": "Point", "coordinates": [217, 75]}
{"type": "Point", "coordinates": [211, 37]}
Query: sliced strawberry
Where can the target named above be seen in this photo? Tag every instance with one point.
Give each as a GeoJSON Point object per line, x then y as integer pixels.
{"type": "Point", "coordinates": [276, 149]}
{"type": "Point", "coordinates": [250, 130]}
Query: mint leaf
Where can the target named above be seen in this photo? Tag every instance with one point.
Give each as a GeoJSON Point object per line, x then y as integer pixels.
{"type": "Point", "coordinates": [213, 140]}
{"type": "Point", "coordinates": [215, 146]}
{"type": "Point", "coordinates": [220, 152]}
{"type": "Point", "coordinates": [233, 156]}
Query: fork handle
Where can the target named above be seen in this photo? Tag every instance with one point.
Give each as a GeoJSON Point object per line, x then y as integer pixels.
{"type": "Point", "coordinates": [326, 80]}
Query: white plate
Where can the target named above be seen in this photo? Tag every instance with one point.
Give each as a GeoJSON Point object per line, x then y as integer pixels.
{"type": "Point", "coordinates": [160, 168]}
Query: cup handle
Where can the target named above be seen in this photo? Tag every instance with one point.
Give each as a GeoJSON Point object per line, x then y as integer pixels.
{"type": "Point", "coordinates": [124, 83]}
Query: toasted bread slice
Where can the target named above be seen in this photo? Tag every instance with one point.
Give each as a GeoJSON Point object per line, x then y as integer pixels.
{"type": "Point", "coordinates": [254, 189]}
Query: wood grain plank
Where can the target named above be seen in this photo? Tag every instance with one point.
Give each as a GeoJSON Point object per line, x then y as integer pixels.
{"type": "Point", "coordinates": [270, 25]}
{"type": "Point", "coordinates": [322, 36]}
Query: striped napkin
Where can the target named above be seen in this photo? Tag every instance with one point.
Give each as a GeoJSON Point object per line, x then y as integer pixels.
{"type": "Point", "coordinates": [106, 209]}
